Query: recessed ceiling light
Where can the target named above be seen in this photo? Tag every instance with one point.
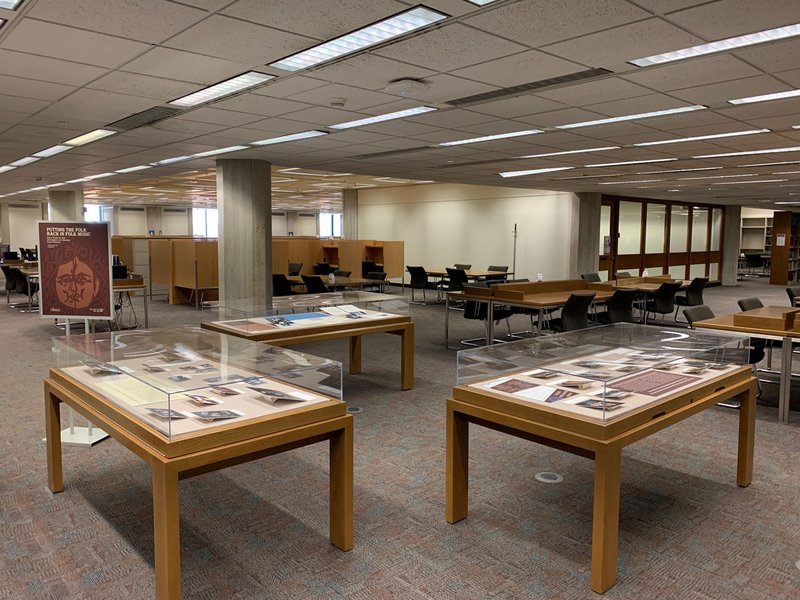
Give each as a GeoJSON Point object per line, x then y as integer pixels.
{"type": "Point", "coordinates": [749, 181]}
{"type": "Point", "coordinates": [224, 88]}
{"type": "Point", "coordinates": [134, 169]}
{"type": "Point", "coordinates": [169, 161]}
{"type": "Point", "coordinates": [532, 171]}
{"type": "Point", "coordinates": [6, 168]}
{"type": "Point", "coordinates": [489, 138]}
{"type": "Point", "coordinates": [52, 151]}
{"type": "Point", "coordinates": [785, 172]}
{"type": "Point", "coordinates": [365, 37]}
{"type": "Point", "coordinates": [92, 136]}
{"type": "Point", "coordinates": [79, 180]}
{"type": "Point", "coordinates": [766, 97]}
{"type": "Point", "coordinates": [698, 138]}
{"type": "Point", "coordinates": [678, 170]}
{"type": "Point", "coordinates": [632, 162]}
{"type": "Point", "coordinates": [720, 46]}
{"type": "Point", "coordinates": [289, 138]}
{"type": "Point", "coordinates": [751, 152]}
{"type": "Point", "coordinates": [623, 182]}
{"type": "Point", "coordinates": [770, 164]}
{"type": "Point", "coordinates": [219, 151]}
{"type": "Point", "coordinates": [10, 4]}
{"type": "Point", "coordinates": [717, 177]}
{"type": "Point", "coordinates": [789, 202]}
{"type": "Point", "coordinates": [636, 117]}
{"type": "Point", "coordinates": [565, 152]}
{"type": "Point", "coordinates": [385, 117]}
{"type": "Point", "coordinates": [101, 176]}
{"type": "Point", "coordinates": [24, 161]}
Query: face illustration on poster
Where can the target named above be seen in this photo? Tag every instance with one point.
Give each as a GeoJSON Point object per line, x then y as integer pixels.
{"type": "Point", "coordinates": [76, 284]}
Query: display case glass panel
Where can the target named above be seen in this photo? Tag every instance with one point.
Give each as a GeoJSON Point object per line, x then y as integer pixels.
{"type": "Point", "coordinates": [602, 373]}
{"type": "Point", "coordinates": [180, 381]}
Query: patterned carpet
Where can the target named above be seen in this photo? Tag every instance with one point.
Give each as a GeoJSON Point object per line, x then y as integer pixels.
{"type": "Point", "coordinates": [259, 530]}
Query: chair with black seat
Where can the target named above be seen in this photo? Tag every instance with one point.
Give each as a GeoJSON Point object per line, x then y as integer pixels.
{"type": "Point", "coordinates": [340, 273]}
{"type": "Point", "coordinates": [591, 277]}
{"type": "Point", "coordinates": [794, 295]}
{"type": "Point", "coordinates": [370, 266]}
{"type": "Point", "coordinates": [380, 285]}
{"type": "Point", "coordinates": [619, 308]}
{"type": "Point", "coordinates": [323, 269]}
{"type": "Point", "coordinates": [497, 278]}
{"type": "Point", "coordinates": [750, 303]}
{"type": "Point", "coordinates": [456, 280]}
{"type": "Point", "coordinates": [662, 301]}
{"type": "Point", "coordinates": [693, 296]}
{"type": "Point", "coordinates": [419, 281]}
{"type": "Point", "coordinates": [462, 266]}
{"type": "Point", "coordinates": [480, 310]}
{"type": "Point", "coordinates": [622, 275]}
{"type": "Point", "coordinates": [11, 284]}
{"type": "Point", "coordinates": [753, 260]}
{"type": "Point", "coordinates": [575, 313]}
{"type": "Point", "coordinates": [753, 303]}
{"type": "Point", "coordinates": [314, 284]}
{"type": "Point", "coordinates": [294, 268]}
{"type": "Point", "coordinates": [281, 286]}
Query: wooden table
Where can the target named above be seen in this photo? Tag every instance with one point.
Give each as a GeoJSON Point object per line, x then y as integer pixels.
{"type": "Point", "coordinates": [785, 336]}
{"type": "Point", "coordinates": [602, 442]}
{"type": "Point", "coordinates": [194, 454]}
{"type": "Point", "coordinates": [474, 274]}
{"type": "Point", "coordinates": [120, 286]}
{"type": "Point", "coordinates": [338, 281]}
{"type": "Point", "coordinates": [352, 330]}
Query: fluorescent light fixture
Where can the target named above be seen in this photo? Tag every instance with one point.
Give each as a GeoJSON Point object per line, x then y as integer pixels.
{"type": "Point", "coordinates": [79, 180]}
{"type": "Point", "coordinates": [24, 161]}
{"type": "Point", "coordinates": [623, 182]}
{"type": "Point", "coordinates": [385, 117]}
{"type": "Point", "coordinates": [766, 97]}
{"type": "Point", "coordinates": [532, 171]}
{"type": "Point", "coordinates": [2, 22]}
{"type": "Point", "coordinates": [481, 2]}
{"type": "Point", "coordinates": [169, 161]}
{"type": "Point", "coordinates": [717, 177]}
{"type": "Point", "coordinates": [748, 181]}
{"type": "Point", "coordinates": [789, 202]}
{"type": "Point", "coordinates": [770, 164]}
{"type": "Point", "coordinates": [740, 41]}
{"type": "Point", "coordinates": [52, 151]}
{"type": "Point", "coordinates": [632, 162]}
{"type": "Point", "coordinates": [746, 153]}
{"type": "Point", "coordinates": [636, 117]}
{"type": "Point", "coordinates": [489, 138]}
{"type": "Point", "coordinates": [377, 33]}
{"type": "Point", "coordinates": [100, 176]}
{"type": "Point", "coordinates": [134, 169]}
{"type": "Point", "coordinates": [6, 168]}
{"type": "Point", "coordinates": [92, 136]}
{"type": "Point", "coordinates": [565, 152]}
{"type": "Point", "coordinates": [224, 88]}
{"type": "Point", "coordinates": [219, 151]}
{"type": "Point", "coordinates": [289, 138]}
{"type": "Point", "coordinates": [785, 172]}
{"type": "Point", "coordinates": [10, 4]}
{"type": "Point", "coordinates": [678, 170]}
{"type": "Point", "coordinates": [698, 138]}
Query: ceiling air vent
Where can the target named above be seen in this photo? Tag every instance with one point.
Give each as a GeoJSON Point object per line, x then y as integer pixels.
{"type": "Point", "coordinates": [394, 152]}
{"type": "Point", "coordinates": [175, 210]}
{"type": "Point", "coordinates": [530, 87]}
{"type": "Point", "coordinates": [131, 209]}
{"type": "Point", "coordinates": [146, 117]}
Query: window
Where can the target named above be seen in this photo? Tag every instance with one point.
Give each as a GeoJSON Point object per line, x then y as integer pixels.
{"type": "Point", "coordinates": [330, 225]}
{"type": "Point", "coordinates": [205, 222]}
{"type": "Point", "coordinates": [93, 213]}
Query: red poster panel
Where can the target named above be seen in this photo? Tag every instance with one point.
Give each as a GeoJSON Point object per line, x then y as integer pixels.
{"type": "Point", "coordinates": [75, 270]}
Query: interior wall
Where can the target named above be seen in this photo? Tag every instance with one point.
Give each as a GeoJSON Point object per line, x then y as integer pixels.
{"type": "Point", "coordinates": [279, 224]}
{"type": "Point", "coordinates": [306, 224]}
{"type": "Point", "coordinates": [22, 228]}
{"type": "Point", "coordinates": [132, 222]}
{"type": "Point", "coordinates": [174, 223]}
{"type": "Point", "coordinates": [444, 224]}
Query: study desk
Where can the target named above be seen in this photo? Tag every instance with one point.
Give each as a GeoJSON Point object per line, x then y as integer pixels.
{"type": "Point", "coordinates": [32, 276]}
{"type": "Point", "coordinates": [353, 330]}
{"type": "Point", "coordinates": [595, 439]}
{"type": "Point", "coordinates": [338, 281]}
{"type": "Point", "coordinates": [472, 274]}
{"type": "Point", "coordinates": [785, 336]}
{"type": "Point", "coordinates": [120, 286]}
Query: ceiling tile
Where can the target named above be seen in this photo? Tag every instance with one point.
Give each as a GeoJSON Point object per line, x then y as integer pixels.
{"type": "Point", "coordinates": [540, 22]}
{"type": "Point", "coordinates": [141, 20]}
{"type": "Point", "coordinates": [719, 93]}
{"type": "Point", "coordinates": [224, 37]}
{"type": "Point", "coordinates": [288, 86]}
{"type": "Point", "coordinates": [265, 106]}
{"type": "Point", "coordinates": [143, 86]}
{"type": "Point", "coordinates": [47, 69]}
{"type": "Point", "coordinates": [58, 41]}
{"type": "Point", "coordinates": [726, 18]}
{"type": "Point", "coordinates": [21, 105]}
{"type": "Point", "coordinates": [324, 116]}
{"type": "Point", "coordinates": [443, 88]}
{"type": "Point", "coordinates": [774, 57]}
{"type": "Point", "coordinates": [369, 71]}
{"type": "Point", "coordinates": [521, 68]}
{"type": "Point", "coordinates": [516, 106]}
{"type": "Point", "coordinates": [218, 116]}
{"type": "Point", "coordinates": [184, 66]}
{"type": "Point", "coordinates": [450, 47]}
{"type": "Point", "coordinates": [451, 118]}
{"type": "Point", "coordinates": [355, 98]}
{"type": "Point", "coordinates": [603, 90]}
{"type": "Point", "coordinates": [31, 88]}
{"type": "Point", "coordinates": [691, 73]}
{"type": "Point", "coordinates": [667, 6]}
{"type": "Point", "coordinates": [791, 77]}
{"type": "Point", "coordinates": [96, 104]}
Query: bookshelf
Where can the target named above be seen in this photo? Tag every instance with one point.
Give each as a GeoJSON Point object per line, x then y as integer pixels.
{"type": "Point", "coordinates": [785, 255]}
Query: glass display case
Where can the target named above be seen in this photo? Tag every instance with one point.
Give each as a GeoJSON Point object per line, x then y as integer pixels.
{"type": "Point", "coordinates": [306, 311]}
{"type": "Point", "coordinates": [185, 380]}
{"type": "Point", "coordinates": [602, 373]}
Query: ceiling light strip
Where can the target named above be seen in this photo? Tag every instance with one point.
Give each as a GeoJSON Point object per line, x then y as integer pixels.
{"type": "Point", "coordinates": [224, 88]}
{"type": "Point", "coordinates": [632, 162]}
{"type": "Point", "coordinates": [532, 172]}
{"type": "Point", "coordinates": [750, 152]}
{"type": "Point", "coordinates": [634, 117]}
{"type": "Point", "coordinates": [88, 138]}
{"type": "Point", "coordinates": [566, 152]}
{"type": "Point", "coordinates": [698, 138]}
{"type": "Point", "coordinates": [289, 138]}
{"type": "Point", "coordinates": [490, 138]}
{"type": "Point", "coordinates": [766, 97]}
{"type": "Point", "coordinates": [385, 117]}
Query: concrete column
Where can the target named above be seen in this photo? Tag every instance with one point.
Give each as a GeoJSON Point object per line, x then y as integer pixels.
{"type": "Point", "coordinates": [350, 214]}
{"type": "Point", "coordinates": [291, 222]}
{"type": "Point", "coordinates": [5, 230]}
{"type": "Point", "coordinates": [585, 234]}
{"type": "Point", "coordinates": [65, 205]}
{"type": "Point", "coordinates": [731, 231]}
{"type": "Point", "coordinates": [153, 216]}
{"type": "Point", "coordinates": [244, 200]}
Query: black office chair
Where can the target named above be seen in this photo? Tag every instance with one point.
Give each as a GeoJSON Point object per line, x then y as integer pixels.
{"type": "Point", "coordinates": [497, 278]}
{"type": "Point", "coordinates": [456, 280]}
{"type": "Point", "coordinates": [619, 308]}
{"type": "Point", "coordinates": [750, 303]}
{"type": "Point", "coordinates": [314, 284]}
{"type": "Point", "coordinates": [693, 296]}
{"type": "Point", "coordinates": [380, 285]}
{"type": "Point", "coordinates": [294, 268]}
{"type": "Point", "coordinates": [662, 301]}
{"type": "Point", "coordinates": [464, 267]}
{"type": "Point", "coordinates": [622, 274]}
{"type": "Point", "coordinates": [323, 269]}
{"type": "Point", "coordinates": [503, 268]}
{"type": "Point", "coordinates": [592, 277]}
{"type": "Point", "coordinates": [11, 285]}
{"type": "Point", "coordinates": [419, 281]}
{"type": "Point", "coordinates": [281, 286]}
{"type": "Point", "coordinates": [480, 310]}
{"type": "Point", "coordinates": [340, 273]}
{"type": "Point", "coordinates": [369, 266]}
{"type": "Point", "coordinates": [575, 313]}
{"type": "Point", "coordinates": [794, 295]}
{"type": "Point", "coordinates": [753, 261]}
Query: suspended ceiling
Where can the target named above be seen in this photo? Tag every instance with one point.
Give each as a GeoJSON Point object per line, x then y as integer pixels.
{"type": "Point", "coordinates": [68, 67]}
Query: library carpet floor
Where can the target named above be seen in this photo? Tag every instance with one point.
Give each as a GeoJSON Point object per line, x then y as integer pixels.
{"type": "Point", "coordinates": [259, 530]}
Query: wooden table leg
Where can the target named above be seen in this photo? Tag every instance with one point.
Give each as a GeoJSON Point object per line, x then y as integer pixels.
{"type": "Point", "coordinates": [457, 466]}
{"type": "Point", "coordinates": [355, 354]}
{"type": "Point", "coordinates": [166, 528]}
{"type": "Point", "coordinates": [407, 358]}
{"type": "Point", "coordinates": [52, 411]}
{"type": "Point", "coordinates": [341, 487]}
{"type": "Point", "coordinates": [747, 430]}
{"type": "Point", "coordinates": [605, 521]}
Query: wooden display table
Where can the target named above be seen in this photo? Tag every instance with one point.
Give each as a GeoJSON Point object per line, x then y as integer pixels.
{"type": "Point", "coordinates": [351, 329]}
{"type": "Point", "coordinates": [196, 453]}
{"type": "Point", "coordinates": [591, 438]}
